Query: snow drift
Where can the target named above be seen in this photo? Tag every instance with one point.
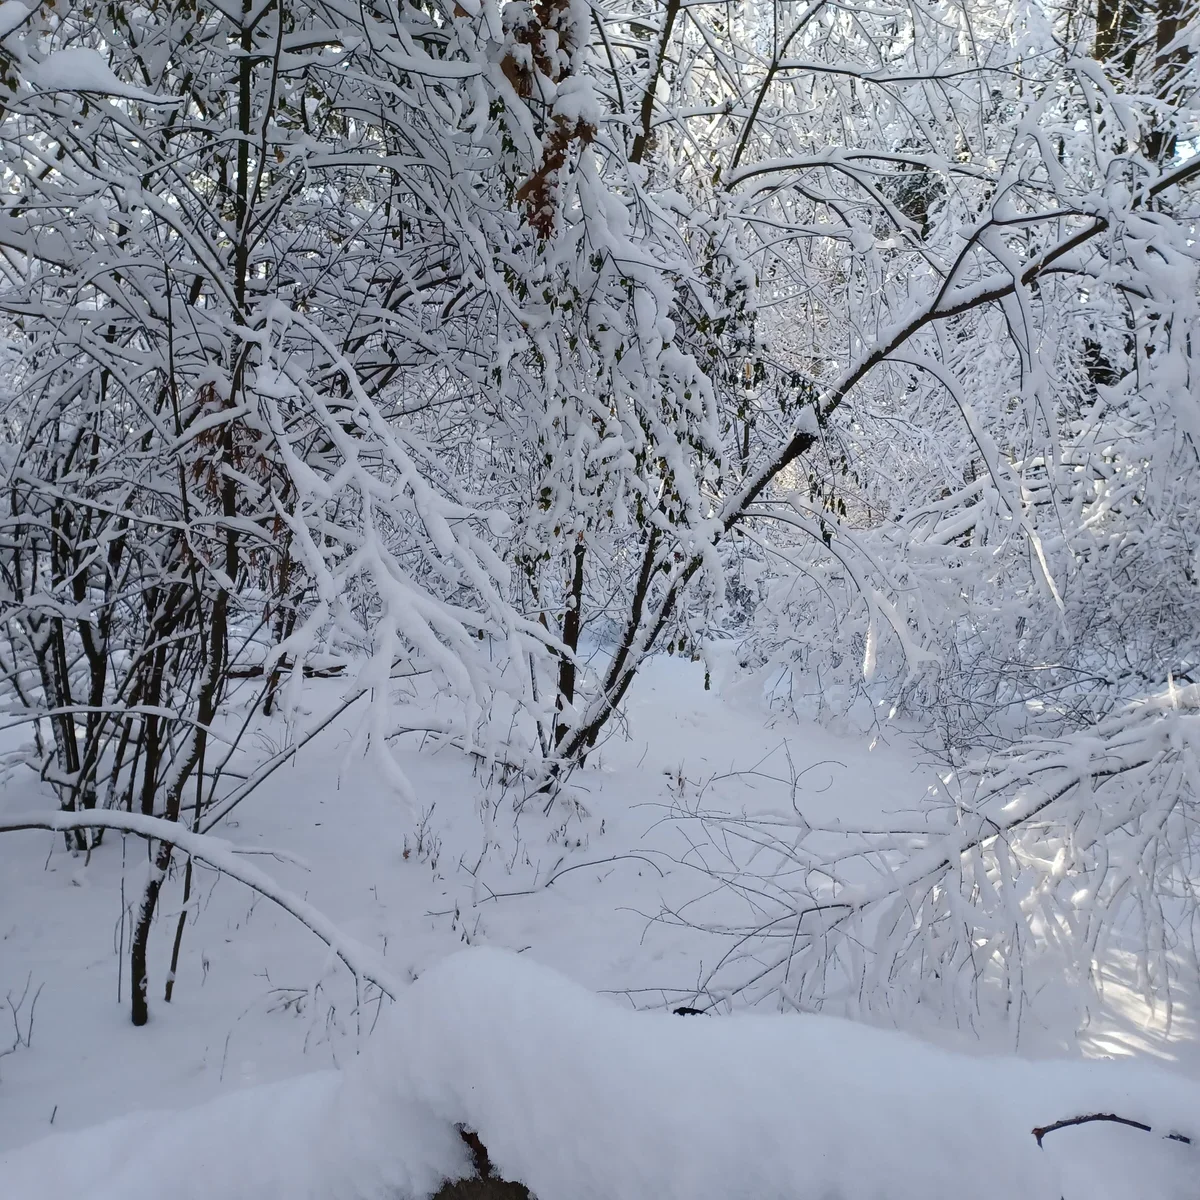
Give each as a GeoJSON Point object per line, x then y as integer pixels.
{"type": "Point", "coordinates": [583, 1100]}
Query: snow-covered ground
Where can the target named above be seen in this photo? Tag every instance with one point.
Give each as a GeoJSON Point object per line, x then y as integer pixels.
{"type": "Point", "coordinates": [582, 1099]}
{"type": "Point", "coordinates": [258, 999]}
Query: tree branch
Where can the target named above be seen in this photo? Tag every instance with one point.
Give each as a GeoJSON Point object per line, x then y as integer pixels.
{"type": "Point", "coordinates": [223, 856]}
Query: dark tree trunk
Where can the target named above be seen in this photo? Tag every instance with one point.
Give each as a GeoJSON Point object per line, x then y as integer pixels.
{"type": "Point", "coordinates": [572, 624]}
{"type": "Point", "coordinates": [1117, 26]}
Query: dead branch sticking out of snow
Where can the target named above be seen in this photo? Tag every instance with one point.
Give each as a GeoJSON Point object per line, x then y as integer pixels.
{"type": "Point", "coordinates": [1041, 1131]}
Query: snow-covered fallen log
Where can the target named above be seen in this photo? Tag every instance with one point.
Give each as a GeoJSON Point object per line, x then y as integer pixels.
{"type": "Point", "coordinates": [581, 1099]}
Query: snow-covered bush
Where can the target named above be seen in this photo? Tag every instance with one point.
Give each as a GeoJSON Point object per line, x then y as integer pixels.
{"type": "Point", "coordinates": [990, 527]}
{"type": "Point", "coordinates": [442, 334]}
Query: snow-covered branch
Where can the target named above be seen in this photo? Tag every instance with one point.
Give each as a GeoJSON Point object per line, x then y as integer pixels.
{"type": "Point", "coordinates": [365, 964]}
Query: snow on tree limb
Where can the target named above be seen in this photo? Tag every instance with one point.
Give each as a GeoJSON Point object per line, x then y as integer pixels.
{"type": "Point", "coordinates": [226, 857]}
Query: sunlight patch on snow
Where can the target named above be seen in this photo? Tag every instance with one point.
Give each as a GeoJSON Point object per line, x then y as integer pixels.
{"type": "Point", "coordinates": [1129, 1025]}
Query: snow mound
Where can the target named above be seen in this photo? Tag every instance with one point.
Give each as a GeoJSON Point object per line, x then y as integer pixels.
{"type": "Point", "coordinates": [318, 1137]}
{"type": "Point", "coordinates": [584, 1100]}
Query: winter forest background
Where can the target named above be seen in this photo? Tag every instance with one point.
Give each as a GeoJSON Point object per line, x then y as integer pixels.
{"type": "Point", "coordinates": [704, 492]}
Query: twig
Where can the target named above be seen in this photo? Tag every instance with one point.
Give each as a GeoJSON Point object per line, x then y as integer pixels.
{"type": "Point", "coordinates": [1041, 1131]}
{"type": "Point", "coordinates": [22, 1039]}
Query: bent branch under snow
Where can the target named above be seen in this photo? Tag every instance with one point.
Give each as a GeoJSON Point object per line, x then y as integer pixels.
{"type": "Point", "coordinates": [225, 857]}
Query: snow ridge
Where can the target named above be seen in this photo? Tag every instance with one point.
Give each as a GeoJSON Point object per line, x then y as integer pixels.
{"type": "Point", "coordinates": [583, 1100]}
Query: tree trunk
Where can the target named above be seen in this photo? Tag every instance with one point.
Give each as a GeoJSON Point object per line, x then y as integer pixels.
{"type": "Point", "coordinates": [572, 623]}
{"type": "Point", "coordinates": [138, 975]}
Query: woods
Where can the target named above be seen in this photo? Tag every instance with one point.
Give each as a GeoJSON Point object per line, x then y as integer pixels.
{"type": "Point", "coordinates": [496, 349]}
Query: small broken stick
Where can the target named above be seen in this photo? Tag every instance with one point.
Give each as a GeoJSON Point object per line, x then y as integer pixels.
{"type": "Point", "coordinates": [1041, 1131]}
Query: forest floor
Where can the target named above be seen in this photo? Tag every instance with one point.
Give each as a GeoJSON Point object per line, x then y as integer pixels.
{"type": "Point", "coordinates": [257, 997]}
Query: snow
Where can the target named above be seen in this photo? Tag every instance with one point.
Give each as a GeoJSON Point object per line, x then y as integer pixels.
{"type": "Point", "coordinates": [13, 14]}
{"type": "Point", "coordinates": [581, 1099]}
{"type": "Point", "coordinates": [315, 1136]}
{"type": "Point", "coordinates": [463, 417]}
{"type": "Point", "coordinates": [564, 1084]}
{"type": "Point", "coordinates": [80, 69]}
{"type": "Point", "coordinates": [578, 1098]}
